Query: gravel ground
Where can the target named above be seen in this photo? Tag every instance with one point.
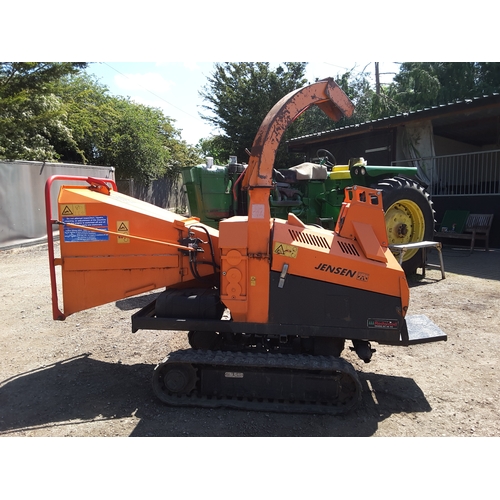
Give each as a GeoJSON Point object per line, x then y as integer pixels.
{"type": "Point", "coordinates": [90, 376]}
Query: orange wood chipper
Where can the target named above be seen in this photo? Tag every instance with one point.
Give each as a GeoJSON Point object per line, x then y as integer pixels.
{"type": "Point", "coordinates": [268, 304]}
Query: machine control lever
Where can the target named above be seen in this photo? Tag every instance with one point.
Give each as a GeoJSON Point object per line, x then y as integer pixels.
{"type": "Point", "coordinates": [284, 271]}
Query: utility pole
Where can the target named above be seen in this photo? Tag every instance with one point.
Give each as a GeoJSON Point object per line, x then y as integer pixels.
{"type": "Point", "coordinates": [377, 78]}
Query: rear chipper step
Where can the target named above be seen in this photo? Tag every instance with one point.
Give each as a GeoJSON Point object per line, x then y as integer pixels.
{"type": "Point", "coordinates": [295, 383]}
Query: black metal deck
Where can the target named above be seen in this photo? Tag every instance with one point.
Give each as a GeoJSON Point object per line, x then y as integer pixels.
{"type": "Point", "coordinates": [420, 328]}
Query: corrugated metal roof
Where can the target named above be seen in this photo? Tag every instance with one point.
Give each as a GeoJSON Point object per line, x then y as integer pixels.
{"type": "Point", "coordinates": [432, 110]}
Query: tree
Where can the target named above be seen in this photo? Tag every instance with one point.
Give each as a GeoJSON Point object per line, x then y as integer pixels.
{"type": "Point", "coordinates": [425, 84]}
{"type": "Point", "coordinates": [369, 105]}
{"type": "Point", "coordinates": [90, 112]}
{"type": "Point", "coordinates": [135, 141]}
{"type": "Point", "coordinates": [239, 96]}
{"type": "Point", "coordinates": [31, 115]}
{"type": "Point", "coordinates": [489, 78]}
{"type": "Point", "coordinates": [215, 146]}
{"type": "Point", "coordinates": [19, 77]}
{"type": "Point", "coordinates": [142, 143]}
{"type": "Point", "coordinates": [357, 87]}
{"type": "Point", "coordinates": [416, 86]}
{"type": "Point", "coordinates": [139, 141]}
{"type": "Point", "coordinates": [52, 112]}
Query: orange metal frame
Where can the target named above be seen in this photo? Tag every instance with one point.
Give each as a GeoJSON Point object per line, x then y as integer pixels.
{"type": "Point", "coordinates": [95, 273]}
{"type": "Point", "coordinates": [156, 248]}
{"type": "Point", "coordinates": [355, 255]}
{"type": "Point", "coordinates": [251, 303]}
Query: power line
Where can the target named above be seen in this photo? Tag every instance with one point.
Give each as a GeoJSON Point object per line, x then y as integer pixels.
{"type": "Point", "coordinates": [152, 93]}
{"type": "Point", "coordinates": [335, 65]}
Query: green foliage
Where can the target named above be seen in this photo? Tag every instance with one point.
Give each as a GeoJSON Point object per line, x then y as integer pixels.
{"type": "Point", "coordinates": [239, 96]}
{"type": "Point", "coordinates": [416, 86]}
{"type": "Point", "coordinates": [134, 141]}
{"type": "Point", "coordinates": [32, 117]}
{"type": "Point", "coordinates": [89, 111]}
{"type": "Point", "coordinates": [54, 112]}
{"type": "Point", "coordinates": [357, 87]}
{"type": "Point", "coordinates": [181, 155]}
{"type": "Point", "coordinates": [141, 142]}
{"type": "Point", "coordinates": [50, 111]}
{"type": "Point", "coordinates": [216, 146]}
{"type": "Point", "coordinates": [19, 77]}
{"type": "Point", "coordinates": [424, 84]}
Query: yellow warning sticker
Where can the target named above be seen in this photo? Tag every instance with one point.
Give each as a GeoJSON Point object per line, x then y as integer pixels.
{"type": "Point", "coordinates": [285, 250]}
{"type": "Point", "coordinates": [73, 210]}
{"type": "Point", "coordinates": [122, 226]}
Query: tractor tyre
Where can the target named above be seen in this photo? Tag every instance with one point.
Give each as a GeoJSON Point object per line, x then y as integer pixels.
{"type": "Point", "coordinates": [409, 216]}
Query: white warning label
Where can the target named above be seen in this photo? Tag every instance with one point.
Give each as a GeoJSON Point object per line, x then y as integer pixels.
{"type": "Point", "coordinates": [258, 211]}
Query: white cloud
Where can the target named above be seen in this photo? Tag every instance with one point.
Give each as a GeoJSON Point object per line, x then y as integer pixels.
{"type": "Point", "coordinates": [153, 82]}
{"type": "Point", "coordinates": [192, 66]}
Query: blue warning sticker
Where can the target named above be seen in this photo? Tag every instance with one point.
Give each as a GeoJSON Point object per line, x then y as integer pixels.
{"type": "Point", "coordinates": [79, 235]}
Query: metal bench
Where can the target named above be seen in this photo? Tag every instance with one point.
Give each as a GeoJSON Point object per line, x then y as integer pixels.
{"type": "Point", "coordinates": [424, 245]}
{"type": "Point", "coordinates": [477, 227]}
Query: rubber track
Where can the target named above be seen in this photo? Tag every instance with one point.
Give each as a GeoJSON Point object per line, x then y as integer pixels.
{"type": "Point", "coordinates": [235, 360]}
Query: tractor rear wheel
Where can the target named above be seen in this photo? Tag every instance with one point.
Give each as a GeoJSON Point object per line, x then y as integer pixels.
{"type": "Point", "coordinates": [409, 216]}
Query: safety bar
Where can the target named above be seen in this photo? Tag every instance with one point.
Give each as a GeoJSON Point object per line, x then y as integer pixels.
{"type": "Point", "coordinates": [56, 312]}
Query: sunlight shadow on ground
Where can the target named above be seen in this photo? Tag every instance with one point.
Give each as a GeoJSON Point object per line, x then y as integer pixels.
{"type": "Point", "coordinates": [84, 389]}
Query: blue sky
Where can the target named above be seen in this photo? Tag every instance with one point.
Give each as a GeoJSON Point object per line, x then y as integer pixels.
{"type": "Point", "coordinates": [174, 86]}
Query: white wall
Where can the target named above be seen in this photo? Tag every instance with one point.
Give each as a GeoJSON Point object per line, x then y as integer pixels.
{"type": "Point", "coordinates": [22, 197]}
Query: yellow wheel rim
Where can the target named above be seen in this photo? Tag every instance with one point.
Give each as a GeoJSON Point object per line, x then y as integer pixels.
{"type": "Point", "coordinates": [405, 224]}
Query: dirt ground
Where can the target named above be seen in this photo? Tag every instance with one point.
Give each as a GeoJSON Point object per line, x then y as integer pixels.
{"type": "Point", "coordinates": [90, 376]}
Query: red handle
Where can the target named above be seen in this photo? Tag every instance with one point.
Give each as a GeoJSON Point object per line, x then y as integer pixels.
{"type": "Point", "coordinates": [56, 312]}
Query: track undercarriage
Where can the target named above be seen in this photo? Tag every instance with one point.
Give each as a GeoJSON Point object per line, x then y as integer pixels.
{"type": "Point", "coordinates": [251, 371]}
{"type": "Point", "coordinates": [296, 383]}
{"type": "Point", "coordinates": [261, 371]}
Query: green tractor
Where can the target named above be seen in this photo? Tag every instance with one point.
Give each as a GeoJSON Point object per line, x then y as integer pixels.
{"type": "Point", "coordinates": [314, 192]}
